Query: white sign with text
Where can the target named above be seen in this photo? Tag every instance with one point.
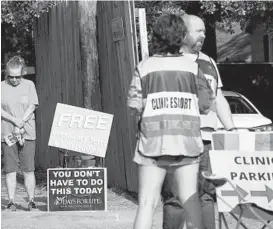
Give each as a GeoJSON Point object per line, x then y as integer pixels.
{"type": "Point", "coordinates": [250, 172]}
{"type": "Point", "coordinates": [81, 130]}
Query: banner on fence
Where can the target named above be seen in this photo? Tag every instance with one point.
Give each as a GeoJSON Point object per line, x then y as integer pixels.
{"type": "Point", "coordinates": [81, 130]}
{"type": "Point", "coordinates": [81, 189]}
{"type": "Point", "coordinates": [243, 141]}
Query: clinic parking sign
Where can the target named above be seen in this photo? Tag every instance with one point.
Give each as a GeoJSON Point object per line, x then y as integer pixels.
{"type": "Point", "coordinates": [79, 189]}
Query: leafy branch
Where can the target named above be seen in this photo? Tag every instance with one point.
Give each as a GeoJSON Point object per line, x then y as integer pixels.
{"type": "Point", "coordinates": [20, 14]}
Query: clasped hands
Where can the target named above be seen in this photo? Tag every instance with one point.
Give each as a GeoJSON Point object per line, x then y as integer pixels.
{"type": "Point", "coordinates": [19, 123]}
{"type": "Point", "coordinates": [19, 130]}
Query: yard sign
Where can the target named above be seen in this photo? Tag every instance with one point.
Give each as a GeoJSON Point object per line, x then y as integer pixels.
{"type": "Point", "coordinates": [77, 189]}
{"type": "Point", "coordinates": [81, 130]}
{"type": "Point", "coordinates": [244, 159]}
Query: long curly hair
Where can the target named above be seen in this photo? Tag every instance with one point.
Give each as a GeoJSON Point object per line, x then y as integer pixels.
{"type": "Point", "coordinates": [168, 34]}
{"type": "Point", "coordinates": [16, 62]}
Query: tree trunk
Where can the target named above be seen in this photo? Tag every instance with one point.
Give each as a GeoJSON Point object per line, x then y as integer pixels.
{"type": "Point", "coordinates": [210, 45]}
{"type": "Point", "coordinates": [89, 56]}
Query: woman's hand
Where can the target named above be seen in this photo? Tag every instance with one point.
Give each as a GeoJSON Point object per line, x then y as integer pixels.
{"type": "Point", "coordinates": [16, 130]}
{"type": "Point", "coordinates": [19, 123]}
{"type": "Point", "coordinates": [19, 133]}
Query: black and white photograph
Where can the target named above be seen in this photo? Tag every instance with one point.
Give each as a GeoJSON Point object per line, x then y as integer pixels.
{"type": "Point", "coordinates": [130, 114]}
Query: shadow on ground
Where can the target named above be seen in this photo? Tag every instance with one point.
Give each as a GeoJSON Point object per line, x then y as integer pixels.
{"type": "Point", "coordinates": [4, 203]}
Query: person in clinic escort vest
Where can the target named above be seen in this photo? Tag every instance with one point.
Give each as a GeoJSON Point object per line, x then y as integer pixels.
{"type": "Point", "coordinates": [168, 92]}
{"type": "Point", "coordinates": [173, 213]}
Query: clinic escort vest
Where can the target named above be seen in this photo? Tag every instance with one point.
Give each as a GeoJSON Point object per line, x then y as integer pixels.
{"type": "Point", "coordinates": [170, 122]}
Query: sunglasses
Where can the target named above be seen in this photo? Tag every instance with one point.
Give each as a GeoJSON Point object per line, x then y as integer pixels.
{"type": "Point", "coordinates": [14, 77]}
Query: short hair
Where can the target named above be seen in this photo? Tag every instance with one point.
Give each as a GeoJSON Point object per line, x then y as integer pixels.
{"type": "Point", "coordinates": [16, 62]}
{"type": "Point", "coordinates": [168, 33]}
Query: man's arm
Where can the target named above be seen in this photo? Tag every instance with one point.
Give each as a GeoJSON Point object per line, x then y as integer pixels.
{"type": "Point", "coordinates": [221, 105]}
{"type": "Point", "coordinates": [135, 98]}
{"type": "Point", "coordinates": [223, 110]}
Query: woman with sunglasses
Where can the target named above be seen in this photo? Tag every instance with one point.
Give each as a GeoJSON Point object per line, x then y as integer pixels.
{"type": "Point", "coordinates": [18, 102]}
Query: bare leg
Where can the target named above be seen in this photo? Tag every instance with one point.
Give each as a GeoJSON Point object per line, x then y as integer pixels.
{"type": "Point", "coordinates": [11, 184]}
{"type": "Point", "coordinates": [187, 189]}
{"type": "Point", "coordinates": [150, 182]}
{"type": "Point", "coordinates": [30, 183]}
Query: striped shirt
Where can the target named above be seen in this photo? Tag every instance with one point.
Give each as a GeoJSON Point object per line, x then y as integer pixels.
{"type": "Point", "coordinates": [169, 97]}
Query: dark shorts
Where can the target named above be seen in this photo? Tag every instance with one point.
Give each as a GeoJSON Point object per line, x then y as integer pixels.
{"type": "Point", "coordinates": [165, 161]}
{"type": "Point", "coordinates": [17, 156]}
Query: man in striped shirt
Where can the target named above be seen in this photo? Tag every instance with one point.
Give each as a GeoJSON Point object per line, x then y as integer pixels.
{"type": "Point", "coordinates": [173, 214]}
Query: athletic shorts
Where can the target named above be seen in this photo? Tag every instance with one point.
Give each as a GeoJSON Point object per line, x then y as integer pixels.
{"type": "Point", "coordinates": [165, 161]}
{"type": "Point", "coordinates": [19, 157]}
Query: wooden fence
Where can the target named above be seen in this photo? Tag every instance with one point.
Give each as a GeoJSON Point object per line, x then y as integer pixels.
{"type": "Point", "coordinates": [58, 72]}
{"type": "Point", "coordinates": [116, 45]}
{"type": "Point", "coordinates": [59, 79]}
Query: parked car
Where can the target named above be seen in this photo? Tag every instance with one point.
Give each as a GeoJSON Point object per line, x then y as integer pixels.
{"type": "Point", "coordinates": [245, 115]}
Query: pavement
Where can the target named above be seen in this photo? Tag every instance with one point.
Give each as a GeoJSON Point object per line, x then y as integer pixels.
{"type": "Point", "coordinates": [120, 214]}
{"type": "Point", "coordinates": [121, 210]}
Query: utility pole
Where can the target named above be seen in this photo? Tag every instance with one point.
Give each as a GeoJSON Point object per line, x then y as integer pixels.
{"type": "Point", "coordinates": [89, 56]}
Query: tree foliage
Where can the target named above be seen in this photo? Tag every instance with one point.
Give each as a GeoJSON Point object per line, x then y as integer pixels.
{"type": "Point", "coordinates": [17, 16]}
{"type": "Point", "coordinates": [224, 12]}
{"type": "Point", "coordinates": [16, 26]}
{"type": "Point", "coordinates": [17, 42]}
{"type": "Point", "coordinates": [243, 12]}
{"type": "Point", "coordinates": [20, 14]}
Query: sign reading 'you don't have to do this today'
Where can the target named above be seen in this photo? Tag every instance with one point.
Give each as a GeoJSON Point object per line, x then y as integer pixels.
{"type": "Point", "coordinates": [74, 189]}
{"type": "Point", "coordinates": [81, 130]}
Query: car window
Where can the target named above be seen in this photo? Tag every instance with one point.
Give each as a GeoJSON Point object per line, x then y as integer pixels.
{"type": "Point", "coordinates": [238, 105]}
